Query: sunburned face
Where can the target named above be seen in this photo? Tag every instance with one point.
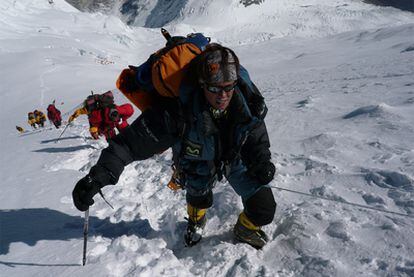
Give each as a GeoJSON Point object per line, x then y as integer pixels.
{"type": "Point", "coordinates": [219, 95]}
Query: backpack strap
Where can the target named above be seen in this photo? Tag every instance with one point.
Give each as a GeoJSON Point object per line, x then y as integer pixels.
{"type": "Point", "coordinates": [199, 40]}
{"type": "Point", "coordinates": [251, 93]}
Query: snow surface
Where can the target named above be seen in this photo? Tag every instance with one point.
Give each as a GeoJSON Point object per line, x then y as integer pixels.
{"type": "Point", "coordinates": [341, 114]}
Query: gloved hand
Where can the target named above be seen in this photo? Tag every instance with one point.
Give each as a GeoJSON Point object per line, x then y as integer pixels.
{"type": "Point", "coordinates": [95, 135]}
{"type": "Point", "coordinates": [71, 118]}
{"type": "Point", "coordinates": [84, 192]}
{"type": "Point", "coordinates": [264, 172]}
{"type": "Point", "coordinates": [94, 131]}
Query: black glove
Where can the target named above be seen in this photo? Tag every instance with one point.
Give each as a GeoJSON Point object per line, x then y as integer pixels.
{"type": "Point", "coordinates": [84, 192]}
{"type": "Point", "coordinates": [264, 172]}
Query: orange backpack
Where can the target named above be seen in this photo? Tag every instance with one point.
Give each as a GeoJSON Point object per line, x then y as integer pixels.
{"type": "Point", "coordinates": [163, 72]}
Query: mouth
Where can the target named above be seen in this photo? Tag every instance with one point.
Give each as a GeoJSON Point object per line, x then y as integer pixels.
{"type": "Point", "coordinates": [220, 101]}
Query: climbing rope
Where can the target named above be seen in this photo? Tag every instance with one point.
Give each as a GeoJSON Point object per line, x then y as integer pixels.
{"type": "Point", "coordinates": [344, 202]}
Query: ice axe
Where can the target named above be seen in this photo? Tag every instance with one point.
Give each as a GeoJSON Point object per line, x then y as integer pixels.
{"type": "Point", "coordinates": [86, 229]}
{"type": "Point", "coordinates": [166, 34]}
{"type": "Point", "coordinates": [85, 236]}
{"type": "Point", "coordinates": [67, 125]}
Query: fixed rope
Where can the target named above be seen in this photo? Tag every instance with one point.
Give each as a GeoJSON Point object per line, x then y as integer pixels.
{"type": "Point", "coordinates": [344, 202]}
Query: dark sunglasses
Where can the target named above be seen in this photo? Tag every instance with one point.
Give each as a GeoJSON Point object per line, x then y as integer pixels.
{"type": "Point", "coordinates": [218, 89]}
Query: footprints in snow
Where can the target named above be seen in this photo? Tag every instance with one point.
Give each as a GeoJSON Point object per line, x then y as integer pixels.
{"type": "Point", "coordinates": [400, 188]}
{"type": "Point", "coordinates": [338, 230]}
{"type": "Point", "coordinates": [99, 59]}
{"type": "Point", "coordinates": [389, 179]}
{"type": "Point", "coordinates": [387, 186]}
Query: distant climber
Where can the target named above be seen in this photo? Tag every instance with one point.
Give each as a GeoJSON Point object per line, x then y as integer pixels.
{"type": "Point", "coordinates": [31, 120]}
{"type": "Point", "coordinates": [54, 115]}
{"type": "Point", "coordinates": [103, 115]}
{"type": "Point", "coordinates": [40, 118]}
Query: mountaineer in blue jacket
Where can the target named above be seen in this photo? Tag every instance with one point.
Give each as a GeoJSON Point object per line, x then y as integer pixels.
{"type": "Point", "coordinates": [216, 129]}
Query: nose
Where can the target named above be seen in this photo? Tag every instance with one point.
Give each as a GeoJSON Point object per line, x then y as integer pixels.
{"type": "Point", "coordinates": [222, 93]}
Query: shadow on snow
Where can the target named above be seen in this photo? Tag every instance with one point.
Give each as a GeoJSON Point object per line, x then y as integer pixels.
{"type": "Point", "coordinates": [405, 5]}
{"type": "Point", "coordinates": [56, 139]}
{"type": "Point", "coordinates": [63, 149]}
{"type": "Point", "coordinates": [32, 225]}
{"type": "Point", "coordinates": [13, 264]}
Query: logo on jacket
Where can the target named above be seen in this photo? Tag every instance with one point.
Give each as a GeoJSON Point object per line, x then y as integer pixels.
{"type": "Point", "coordinates": [192, 149]}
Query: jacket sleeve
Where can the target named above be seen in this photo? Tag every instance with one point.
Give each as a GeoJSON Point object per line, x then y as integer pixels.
{"type": "Point", "coordinates": [256, 150]}
{"type": "Point", "coordinates": [151, 133]}
{"type": "Point", "coordinates": [77, 113]}
{"type": "Point", "coordinates": [125, 111]}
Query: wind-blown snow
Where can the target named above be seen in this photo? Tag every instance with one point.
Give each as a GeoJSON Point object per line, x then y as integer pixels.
{"type": "Point", "coordinates": [341, 114]}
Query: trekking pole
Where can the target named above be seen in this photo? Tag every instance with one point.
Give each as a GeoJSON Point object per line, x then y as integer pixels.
{"type": "Point", "coordinates": [85, 236]}
{"type": "Point", "coordinates": [67, 125]}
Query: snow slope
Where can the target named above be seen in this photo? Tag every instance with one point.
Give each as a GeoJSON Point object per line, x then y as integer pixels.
{"type": "Point", "coordinates": [232, 22]}
{"type": "Point", "coordinates": [341, 114]}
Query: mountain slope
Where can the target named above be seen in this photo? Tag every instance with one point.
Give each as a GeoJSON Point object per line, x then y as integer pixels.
{"type": "Point", "coordinates": [237, 21]}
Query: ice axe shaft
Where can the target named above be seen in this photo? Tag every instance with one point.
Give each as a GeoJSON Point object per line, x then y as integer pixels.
{"type": "Point", "coordinates": [85, 236]}
{"type": "Point", "coordinates": [166, 34]}
{"type": "Point", "coordinates": [67, 125]}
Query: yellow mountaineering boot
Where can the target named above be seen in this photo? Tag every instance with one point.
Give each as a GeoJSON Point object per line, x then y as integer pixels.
{"type": "Point", "coordinates": [246, 231]}
{"type": "Point", "coordinates": [196, 222]}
